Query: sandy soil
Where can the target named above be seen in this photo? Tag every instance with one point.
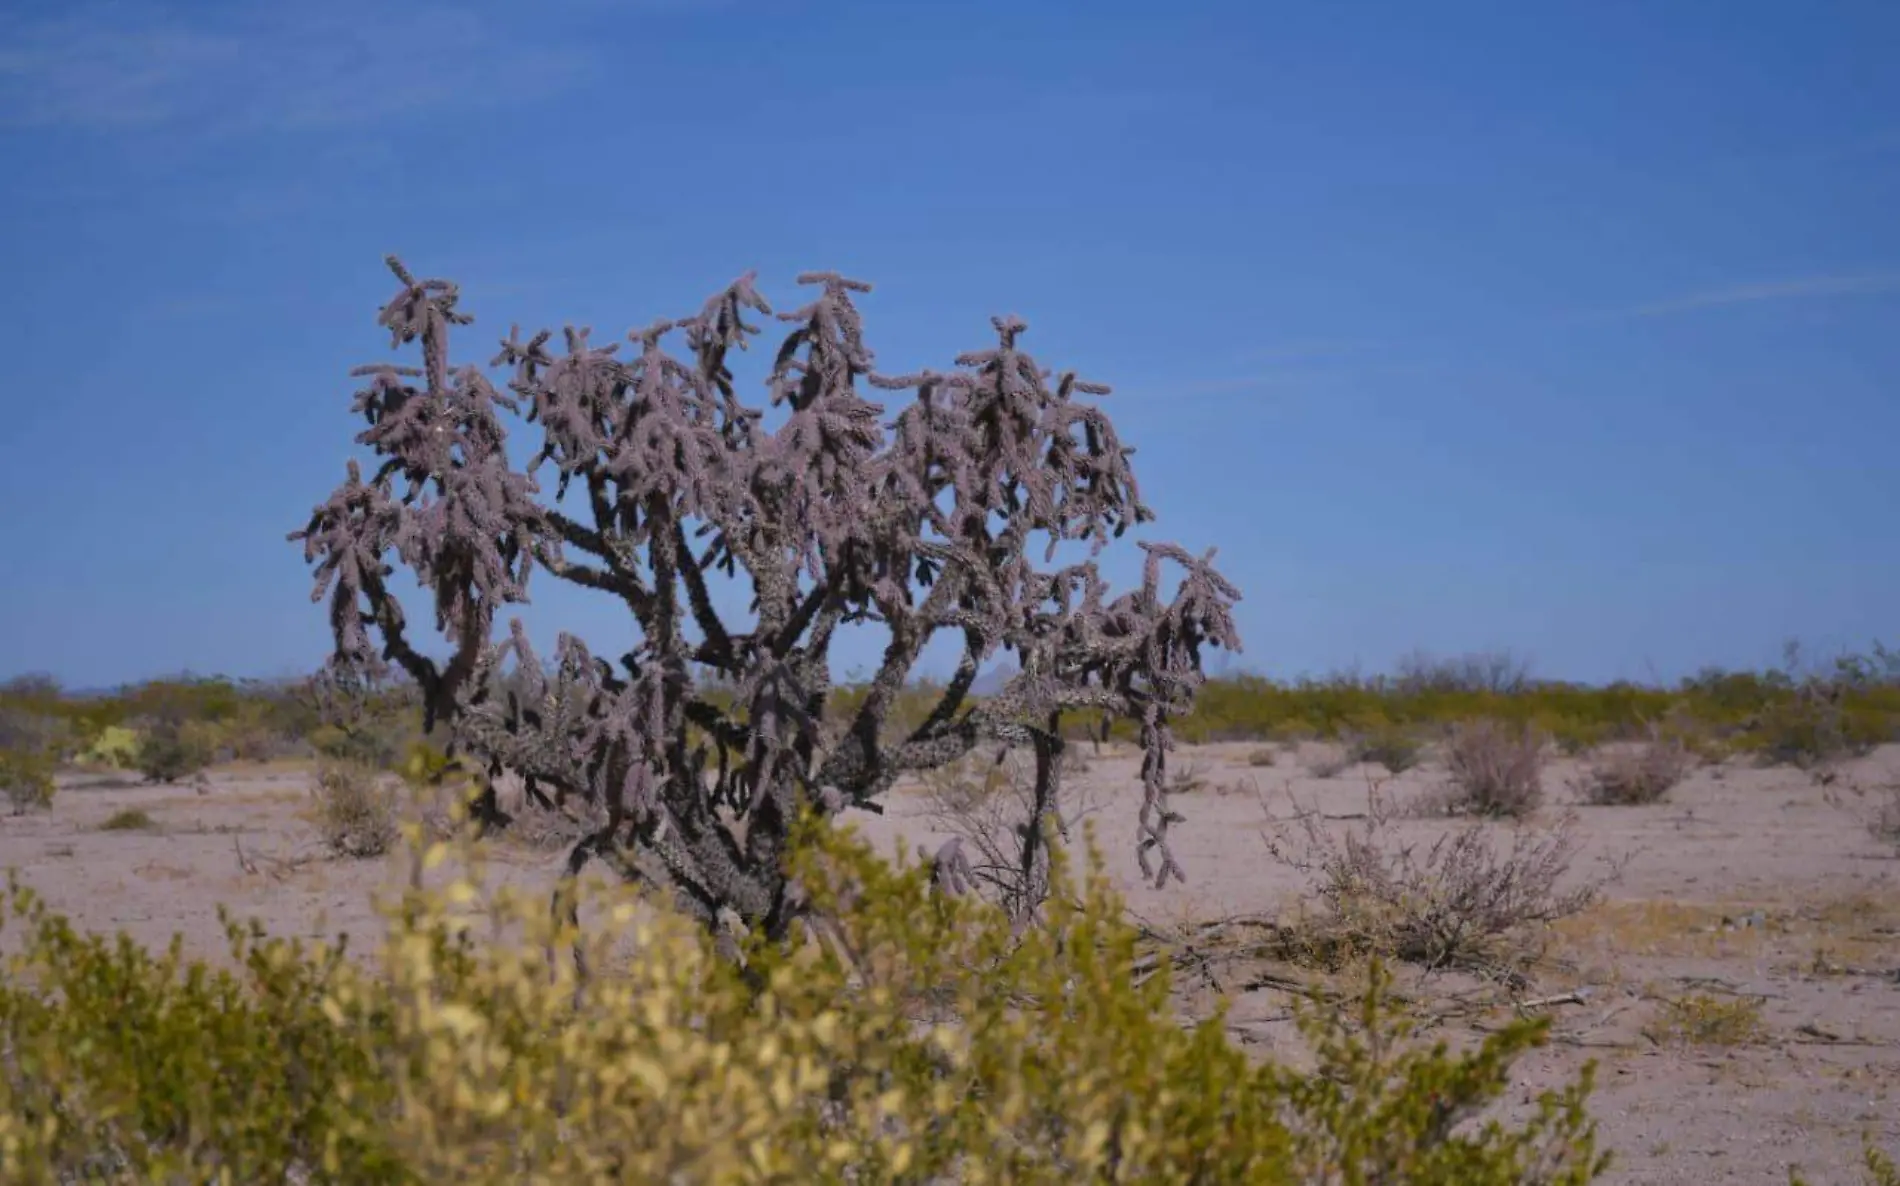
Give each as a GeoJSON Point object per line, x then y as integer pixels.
{"type": "Point", "coordinates": [1750, 889]}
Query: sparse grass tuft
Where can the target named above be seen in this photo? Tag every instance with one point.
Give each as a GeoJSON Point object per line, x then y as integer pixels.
{"type": "Point", "coordinates": [1704, 1019]}
{"type": "Point", "coordinates": [129, 819]}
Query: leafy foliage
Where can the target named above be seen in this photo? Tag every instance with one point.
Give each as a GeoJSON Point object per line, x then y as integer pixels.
{"type": "Point", "coordinates": [916, 1037]}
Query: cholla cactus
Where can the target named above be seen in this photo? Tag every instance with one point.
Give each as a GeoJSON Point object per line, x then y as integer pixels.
{"type": "Point", "coordinates": [666, 484]}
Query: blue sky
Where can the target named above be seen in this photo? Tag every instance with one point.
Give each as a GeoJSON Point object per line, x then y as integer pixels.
{"type": "Point", "coordinates": [1567, 328]}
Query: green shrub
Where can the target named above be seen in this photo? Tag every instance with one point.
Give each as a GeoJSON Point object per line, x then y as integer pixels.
{"type": "Point", "coordinates": [171, 749]}
{"type": "Point", "coordinates": [925, 1038]}
{"type": "Point", "coordinates": [1395, 748]}
{"type": "Point", "coordinates": [27, 779]}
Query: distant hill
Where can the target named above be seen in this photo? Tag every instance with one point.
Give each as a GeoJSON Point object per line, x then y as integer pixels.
{"type": "Point", "coordinates": [993, 681]}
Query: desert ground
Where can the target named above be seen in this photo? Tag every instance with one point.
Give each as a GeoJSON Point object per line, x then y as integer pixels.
{"type": "Point", "coordinates": [1738, 982]}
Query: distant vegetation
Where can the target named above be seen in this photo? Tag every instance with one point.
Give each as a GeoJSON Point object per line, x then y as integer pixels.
{"type": "Point", "coordinates": [1792, 715]}
{"type": "Point", "coordinates": [168, 729]}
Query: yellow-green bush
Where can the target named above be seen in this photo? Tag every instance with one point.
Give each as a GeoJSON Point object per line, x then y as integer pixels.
{"type": "Point", "coordinates": [922, 1039]}
{"type": "Point", "coordinates": [115, 746]}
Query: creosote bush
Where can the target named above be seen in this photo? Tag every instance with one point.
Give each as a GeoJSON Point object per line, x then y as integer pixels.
{"type": "Point", "coordinates": [921, 1038]}
{"type": "Point", "coordinates": [172, 747]}
{"type": "Point", "coordinates": [1496, 768]}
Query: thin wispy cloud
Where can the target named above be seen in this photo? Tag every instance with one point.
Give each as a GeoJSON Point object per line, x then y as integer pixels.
{"type": "Point", "coordinates": [1867, 284]}
{"type": "Point", "coordinates": [231, 68]}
